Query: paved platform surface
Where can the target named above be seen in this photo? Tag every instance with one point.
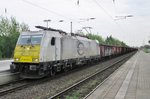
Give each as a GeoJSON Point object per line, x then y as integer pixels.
{"type": "Point", "coordinates": [5, 65]}
{"type": "Point", "coordinates": [130, 81]}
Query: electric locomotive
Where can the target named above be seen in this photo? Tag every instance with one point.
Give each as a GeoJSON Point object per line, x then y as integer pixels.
{"type": "Point", "coordinates": [41, 53]}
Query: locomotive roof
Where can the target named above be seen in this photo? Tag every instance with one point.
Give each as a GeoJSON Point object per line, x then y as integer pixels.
{"type": "Point", "coordinates": [57, 33]}
{"type": "Point", "coordinates": [31, 32]}
{"type": "Point", "coordinates": [50, 29]}
{"type": "Point", "coordinates": [64, 33]}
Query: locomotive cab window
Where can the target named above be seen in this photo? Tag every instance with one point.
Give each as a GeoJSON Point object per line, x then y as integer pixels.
{"type": "Point", "coordinates": [30, 39]}
{"type": "Point", "coordinates": [53, 41]}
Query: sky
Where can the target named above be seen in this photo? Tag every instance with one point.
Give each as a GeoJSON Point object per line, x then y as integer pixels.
{"type": "Point", "coordinates": [134, 31]}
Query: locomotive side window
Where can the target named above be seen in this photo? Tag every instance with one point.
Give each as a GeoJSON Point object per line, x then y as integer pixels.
{"type": "Point", "coordinates": [53, 41]}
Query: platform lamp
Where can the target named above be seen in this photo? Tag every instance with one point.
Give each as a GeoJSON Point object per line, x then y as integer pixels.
{"type": "Point", "coordinates": [48, 20]}
{"type": "Point", "coordinates": [123, 17]}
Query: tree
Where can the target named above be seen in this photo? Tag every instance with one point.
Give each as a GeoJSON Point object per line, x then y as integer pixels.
{"type": "Point", "coordinates": [113, 41]}
{"type": "Point", "coordinates": [147, 46]}
{"type": "Point", "coordinates": [9, 33]}
{"type": "Point", "coordinates": [96, 37]}
{"type": "Point", "coordinates": [109, 40]}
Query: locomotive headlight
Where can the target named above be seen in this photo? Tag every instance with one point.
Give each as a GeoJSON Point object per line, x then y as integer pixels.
{"type": "Point", "coordinates": [16, 59]}
{"type": "Point", "coordinates": [35, 59]}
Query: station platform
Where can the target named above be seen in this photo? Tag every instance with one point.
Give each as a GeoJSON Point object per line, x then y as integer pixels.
{"type": "Point", "coordinates": [5, 65]}
{"type": "Point", "coordinates": [130, 81]}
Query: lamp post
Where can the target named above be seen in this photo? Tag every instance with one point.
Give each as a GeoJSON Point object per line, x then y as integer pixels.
{"type": "Point", "coordinates": [70, 27]}
{"type": "Point", "coordinates": [148, 39]}
{"type": "Point", "coordinates": [123, 17]}
{"type": "Point", "coordinates": [61, 20]}
{"type": "Point", "coordinates": [87, 19]}
{"type": "Point", "coordinates": [48, 20]}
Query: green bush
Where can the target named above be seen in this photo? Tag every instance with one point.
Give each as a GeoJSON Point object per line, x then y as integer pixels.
{"type": "Point", "coordinates": [9, 33]}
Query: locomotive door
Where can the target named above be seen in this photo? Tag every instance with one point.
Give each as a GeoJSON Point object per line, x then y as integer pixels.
{"type": "Point", "coordinates": [58, 49]}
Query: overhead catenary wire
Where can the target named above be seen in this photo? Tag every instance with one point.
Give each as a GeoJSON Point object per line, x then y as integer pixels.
{"type": "Point", "coordinates": [60, 15]}
{"type": "Point", "coordinates": [50, 11]}
{"type": "Point", "coordinates": [38, 6]}
{"type": "Point", "coordinates": [109, 15]}
{"type": "Point", "coordinates": [99, 5]}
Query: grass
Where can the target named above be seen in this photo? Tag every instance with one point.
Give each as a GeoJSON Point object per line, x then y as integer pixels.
{"type": "Point", "coordinates": [146, 50]}
{"type": "Point", "coordinates": [75, 96]}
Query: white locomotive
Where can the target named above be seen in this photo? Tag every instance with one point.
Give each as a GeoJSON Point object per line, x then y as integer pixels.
{"type": "Point", "coordinates": [45, 52]}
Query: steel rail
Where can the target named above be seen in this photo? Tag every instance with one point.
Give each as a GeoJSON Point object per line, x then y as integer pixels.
{"type": "Point", "coordinates": [3, 92]}
{"type": "Point", "coordinates": [6, 91]}
{"type": "Point", "coordinates": [99, 85]}
{"type": "Point", "coordinates": [60, 94]}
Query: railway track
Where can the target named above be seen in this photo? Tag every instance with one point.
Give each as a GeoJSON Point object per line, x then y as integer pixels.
{"type": "Point", "coordinates": [22, 83]}
{"type": "Point", "coordinates": [11, 87]}
{"type": "Point", "coordinates": [77, 86]}
{"type": "Point", "coordinates": [10, 83]}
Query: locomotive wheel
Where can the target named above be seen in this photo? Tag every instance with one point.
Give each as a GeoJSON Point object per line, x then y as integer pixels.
{"type": "Point", "coordinates": [66, 69]}
{"type": "Point", "coordinates": [12, 69]}
{"type": "Point", "coordinates": [52, 72]}
{"type": "Point", "coordinates": [71, 66]}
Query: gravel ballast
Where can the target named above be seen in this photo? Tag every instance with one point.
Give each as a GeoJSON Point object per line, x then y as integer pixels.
{"type": "Point", "coordinates": [49, 88]}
